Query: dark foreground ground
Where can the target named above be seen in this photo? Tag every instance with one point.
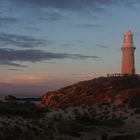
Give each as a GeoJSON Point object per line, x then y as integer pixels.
{"type": "Point", "coordinates": [27, 121]}
{"type": "Point", "coordinates": [104, 108]}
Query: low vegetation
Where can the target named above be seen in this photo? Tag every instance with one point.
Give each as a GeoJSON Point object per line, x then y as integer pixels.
{"type": "Point", "coordinates": [25, 109]}
{"type": "Point", "coordinates": [135, 101]}
{"type": "Point", "coordinates": [123, 137]}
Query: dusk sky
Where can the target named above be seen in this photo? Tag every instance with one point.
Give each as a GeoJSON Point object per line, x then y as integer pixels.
{"type": "Point", "coordinates": [48, 44]}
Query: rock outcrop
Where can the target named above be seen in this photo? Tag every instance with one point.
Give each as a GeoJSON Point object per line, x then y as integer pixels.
{"type": "Point", "coordinates": [11, 98]}
{"type": "Point", "coordinates": [115, 90]}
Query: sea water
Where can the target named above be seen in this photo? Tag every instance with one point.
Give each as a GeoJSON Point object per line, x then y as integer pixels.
{"type": "Point", "coordinates": [22, 96]}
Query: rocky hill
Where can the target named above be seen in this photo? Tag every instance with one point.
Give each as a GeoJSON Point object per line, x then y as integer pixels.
{"type": "Point", "coordinates": [115, 90]}
{"type": "Point", "coordinates": [105, 108]}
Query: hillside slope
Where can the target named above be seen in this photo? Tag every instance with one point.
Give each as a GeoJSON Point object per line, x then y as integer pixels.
{"type": "Point", "coordinates": [115, 90]}
{"type": "Point", "coordinates": [105, 108]}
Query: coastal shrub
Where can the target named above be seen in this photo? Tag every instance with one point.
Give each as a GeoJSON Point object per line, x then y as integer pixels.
{"type": "Point", "coordinates": [87, 120]}
{"type": "Point", "coordinates": [127, 82]}
{"type": "Point", "coordinates": [25, 110]}
{"type": "Point", "coordinates": [123, 137]}
{"type": "Point", "coordinates": [113, 122]}
{"type": "Point", "coordinates": [13, 133]}
{"type": "Point", "coordinates": [104, 136]}
{"type": "Point", "coordinates": [135, 101]}
{"type": "Point", "coordinates": [137, 111]}
{"type": "Point", "coordinates": [70, 128]}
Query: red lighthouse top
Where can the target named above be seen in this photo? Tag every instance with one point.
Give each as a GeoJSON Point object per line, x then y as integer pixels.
{"type": "Point", "coordinates": [128, 39]}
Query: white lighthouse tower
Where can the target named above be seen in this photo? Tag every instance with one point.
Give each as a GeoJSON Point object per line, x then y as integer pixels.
{"type": "Point", "coordinates": [128, 58]}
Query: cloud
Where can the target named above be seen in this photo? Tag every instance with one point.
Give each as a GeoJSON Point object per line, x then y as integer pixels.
{"type": "Point", "coordinates": [89, 26]}
{"type": "Point", "coordinates": [31, 28]}
{"type": "Point", "coordinates": [102, 46]}
{"type": "Point", "coordinates": [7, 21]}
{"type": "Point", "coordinates": [14, 69]}
{"type": "Point", "coordinates": [75, 5]}
{"type": "Point", "coordinates": [9, 56]}
{"type": "Point", "coordinates": [21, 41]}
{"type": "Point", "coordinates": [9, 63]}
{"type": "Point", "coordinates": [52, 16]}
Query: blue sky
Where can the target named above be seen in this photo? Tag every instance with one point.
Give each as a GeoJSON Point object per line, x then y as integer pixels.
{"type": "Point", "coordinates": [47, 44]}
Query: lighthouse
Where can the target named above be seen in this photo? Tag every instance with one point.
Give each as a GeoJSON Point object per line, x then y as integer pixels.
{"type": "Point", "coordinates": [128, 58]}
